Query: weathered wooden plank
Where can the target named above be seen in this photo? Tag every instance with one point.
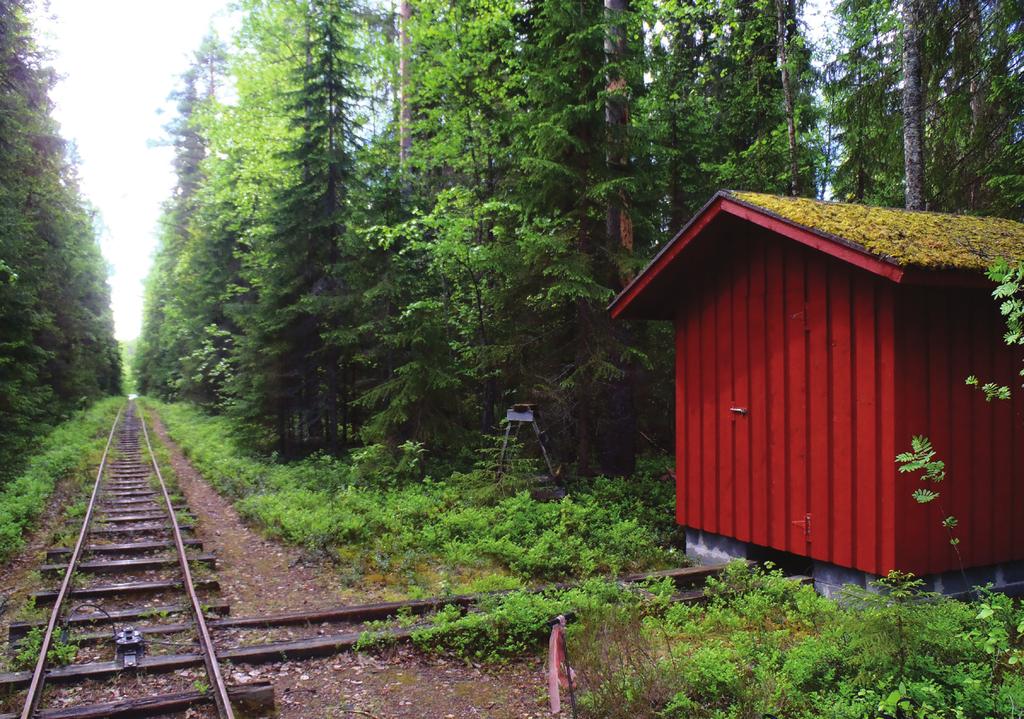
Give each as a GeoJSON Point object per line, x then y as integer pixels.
{"type": "Point", "coordinates": [55, 554]}
{"type": "Point", "coordinates": [133, 518]}
{"type": "Point", "coordinates": [138, 529]}
{"type": "Point", "coordinates": [106, 590]}
{"type": "Point", "coordinates": [257, 694]}
{"type": "Point", "coordinates": [112, 566]}
{"type": "Point", "coordinates": [17, 630]}
{"type": "Point", "coordinates": [257, 654]}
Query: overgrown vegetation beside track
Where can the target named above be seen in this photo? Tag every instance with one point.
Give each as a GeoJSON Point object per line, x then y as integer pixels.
{"type": "Point", "coordinates": [72, 449]}
{"type": "Point", "coordinates": [760, 645]}
{"type": "Point", "coordinates": [763, 646]}
{"type": "Point", "coordinates": [389, 519]}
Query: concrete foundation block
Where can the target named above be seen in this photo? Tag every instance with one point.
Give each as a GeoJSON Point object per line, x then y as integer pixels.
{"type": "Point", "coordinates": [829, 579]}
{"type": "Point", "coordinates": [710, 548]}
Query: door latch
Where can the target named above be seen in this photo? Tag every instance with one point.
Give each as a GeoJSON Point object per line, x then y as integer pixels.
{"type": "Point", "coordinates": [806, 522]}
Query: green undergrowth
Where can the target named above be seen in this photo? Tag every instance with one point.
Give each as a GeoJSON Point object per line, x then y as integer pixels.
{"type": "Point", "coordinates": [71, 449]}
{"type": "Point", "coordinates": [766, 646]}
{"type": "Point", "coordinates": [760, 646]}
{"type": "Point", "coordinates": [384, 518]}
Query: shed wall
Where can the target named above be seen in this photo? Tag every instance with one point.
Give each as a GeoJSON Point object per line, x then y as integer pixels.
{"type": "Point", "coordinates": [804, 343]}
{"type": "Point", "coordinates": [944, 335]}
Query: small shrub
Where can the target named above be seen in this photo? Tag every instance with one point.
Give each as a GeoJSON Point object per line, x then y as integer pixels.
{"type": "Point", "coordinates": [72, 449]}
{"type": "Point", "coordinates": [60, 653]}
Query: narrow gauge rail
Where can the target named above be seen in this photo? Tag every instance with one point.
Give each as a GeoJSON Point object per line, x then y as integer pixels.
{"type": "Point", "coordinates": [123, 499]}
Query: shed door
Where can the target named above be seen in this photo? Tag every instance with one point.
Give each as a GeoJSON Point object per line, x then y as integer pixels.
{"type": "Point", "coordinates": [772, 400]}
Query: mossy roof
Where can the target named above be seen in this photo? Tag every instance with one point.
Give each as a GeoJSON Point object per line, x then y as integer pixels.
{"type": "Point", "coordinates": [930, 240]}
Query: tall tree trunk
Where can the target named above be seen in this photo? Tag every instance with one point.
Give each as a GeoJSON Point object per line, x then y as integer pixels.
{"type": "Point", "coordinates": [617, 429]}
{"type": "Point", "coordinates": [783, 11]}
{"type": "Point", "coordinates": [616, 113]}
{"type": "Point", "coordinates": [405, 109]}
{"type": "Point", "coordinates": [972, 46]}
{"type": "Point", "coordinates": [913, 106]}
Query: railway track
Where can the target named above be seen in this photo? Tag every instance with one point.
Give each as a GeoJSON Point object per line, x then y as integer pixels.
{"type": "Point", "coordinates": [137, 597]}
{"type": "Point", "coordinates": [131, 543]}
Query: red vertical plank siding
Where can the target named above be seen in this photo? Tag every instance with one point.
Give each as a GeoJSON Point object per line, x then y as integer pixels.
{"type": "Point", "coordinates": [820, 408]}
{"type": "Point", "coordinates": [694, 425]}
{"type": "Point", "coordinates": [887, 474]}
{"type": "Point", "coordinates": [709, 408]}
{"type": "Point", "coordinates": [760, 479]}
{"type": "Point", "coordinates": [797, 399]}
{"type": "Point", "coordinates": [724, 355]}
{"type": "Point", "coordinates": [950, 334]}
{"type": "Point", "coordinates": [776, 429]}
{"type": "Point", "coordinates": [937, 401]}
{"type": "Point", "coordinates": [866, 418]}
{"type": "Point", "coordinates": [842, 430]}
{"type": "Point", "coordinates": [740, 424]}
{"type": "Point", "coordinates": [1015, 470]}
{"type": "Point", "coordinates": [1003, 509]}
{"type": "Point", "coordinates": [838, 369]}
{"type": "Point", "coordinates": [981, 529]}
{"type": "Point", "coordinates": [683, 387]}
{"type": "Point", "coordinates": [911, 419]}
{"type": "Point", "coordinates": [951, 422]}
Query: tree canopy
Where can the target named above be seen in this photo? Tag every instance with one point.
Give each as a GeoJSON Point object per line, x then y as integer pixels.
{"type": "Point", "coordinates": [56, 327]}
{"type": "Point", "coordinates": [390, 225]}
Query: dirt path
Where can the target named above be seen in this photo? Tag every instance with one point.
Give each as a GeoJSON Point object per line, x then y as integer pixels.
{"type": "Point", "coordinates": [258, 576]}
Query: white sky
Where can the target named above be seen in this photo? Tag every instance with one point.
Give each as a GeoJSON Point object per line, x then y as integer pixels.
{"type": "Point", "coordinates": [119, 59]}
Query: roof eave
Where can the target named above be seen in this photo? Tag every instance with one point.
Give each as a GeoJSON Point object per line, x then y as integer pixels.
{"type": "Point", "coordinates": [725, 202]}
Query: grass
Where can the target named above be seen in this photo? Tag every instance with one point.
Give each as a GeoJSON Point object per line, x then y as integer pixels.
{"type": "Point", "coordinates": [385, 518]}
{"type": "Point", "coordinates": [71, 450]}
{"type": "Point", "coordinates": [760, 645]}
{"type": "Point", "coordinates": [764, 645]}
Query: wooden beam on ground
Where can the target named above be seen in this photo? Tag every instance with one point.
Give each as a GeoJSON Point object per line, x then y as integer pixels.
{"type": "Point", "coordinates": [162, 528]}
{"type": "Point", "coordinates": [255, 695]}
{"type": "Point", "coordinates": [17, 630]}
{"type": "Point", "coordinates": [57, 553]}
{"type": "Point", "coordinates": [121, 511]}
{"type": "Point", "coordinates": [107, 590]}
{"type": "Point", "coordinates": [320, 646]}
{"type": "Point", "coordinates": [131, 518]}
{"type": "Point", "coordinates": [113, 566]}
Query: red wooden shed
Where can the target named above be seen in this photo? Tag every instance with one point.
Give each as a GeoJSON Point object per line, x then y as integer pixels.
{"type": "Point", "coordinates": [813, 340]}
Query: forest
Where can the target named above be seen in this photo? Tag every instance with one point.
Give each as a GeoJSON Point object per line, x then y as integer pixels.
{"type": "Point", "coordinates": [56, 327]}
{"type": "Point", "coordinates": [392, 223]}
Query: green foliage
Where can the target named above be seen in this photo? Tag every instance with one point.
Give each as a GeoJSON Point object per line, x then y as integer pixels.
{"type": "Point", "coordinates": [991, 389]}
{"type": "Point", "coordinates": [60, 653]}
{"type": "Point", "coordinates": [72, 449]}
{"type": "Point", "coordinates": [375, 515]}
{"type": "Point", "coordinates": [513, 624]}
{"type": "Point", "coordinates": [765, 645]}
{"type": "Point", "coordinates": [57, 348]}
{"type": "Point", "coordinates": [1010, 289]}
{"type": "Point", "coordinates": [921, 458]}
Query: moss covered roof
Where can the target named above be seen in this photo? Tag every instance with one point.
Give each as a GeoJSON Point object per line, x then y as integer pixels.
{"type": "Point", "coordinates": [922, 239]}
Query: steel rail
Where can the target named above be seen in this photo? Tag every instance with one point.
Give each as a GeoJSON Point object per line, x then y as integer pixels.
{"type": "Point", "coordinates": [35, 689]}
{"type": "Point", "coordinates": [205, 641]}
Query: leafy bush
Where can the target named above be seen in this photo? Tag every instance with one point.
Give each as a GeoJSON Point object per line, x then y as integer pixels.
{"type": "Point", "coordinates": [763, 644]}
{"type": "Point", "coordinates": [513, 624]}
{"type": "Point", "coordinates": [71, 449]}
{"type": "Point", "coordinates": [60, 653]}
{"type": "Point", "coordinates": [378, 514]}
